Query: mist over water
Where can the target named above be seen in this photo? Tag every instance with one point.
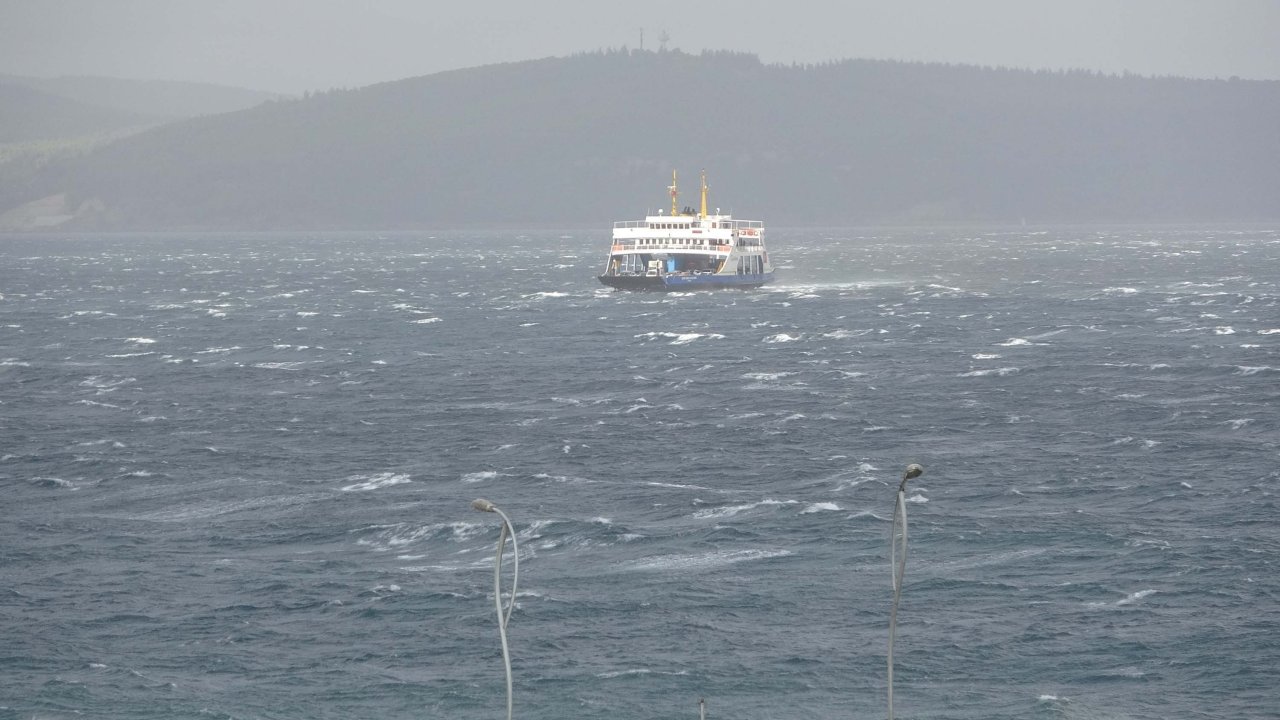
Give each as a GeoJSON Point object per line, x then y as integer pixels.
{"type": "Point", "coordinates": [239, 471]}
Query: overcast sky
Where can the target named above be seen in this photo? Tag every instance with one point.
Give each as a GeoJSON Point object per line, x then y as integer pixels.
{"type": "Point", "coordinates": [296, 45]}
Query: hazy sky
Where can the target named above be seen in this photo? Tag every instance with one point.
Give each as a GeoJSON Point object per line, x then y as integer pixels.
{"type": "Point", "coordinates": [296, 45]}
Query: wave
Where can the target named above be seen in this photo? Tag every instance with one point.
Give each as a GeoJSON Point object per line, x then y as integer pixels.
{"type": "Point", "coordinates": [1000, 372]}
{"type": "Point", "coordinates": [1129, 599]}
{"type": "Point", "coordinates": [1254, 369]}
{"type": "Point", "coordinates": [373, 482]}
{"type": "Point", "coordinates": [680, 338]}
{"type": "Point", "coordinates": [706, 560]}
{"type": "Point", "coordinates": [731, 510]}
{"type": "Point", "coordinates": [480, 476]}
{"type": "Point", "coordinates": [639, 671]}
{"type": "Point", "coordinates": [767, 375]}
{"type": "Point", "coordinates": [290, 365]}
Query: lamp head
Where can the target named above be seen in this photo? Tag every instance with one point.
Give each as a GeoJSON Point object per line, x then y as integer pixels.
{"type": "Point", "coordinates": [482, 505]}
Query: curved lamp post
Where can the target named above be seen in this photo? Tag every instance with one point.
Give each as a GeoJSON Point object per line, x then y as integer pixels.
{"type": "Point", "coordinates": [503, 617]}
{"type": "Point", "coordinates": [898, 565]}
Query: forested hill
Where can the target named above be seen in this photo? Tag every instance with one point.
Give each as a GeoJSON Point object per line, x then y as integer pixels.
{"type": "Point", "coordinates": [157, 99]}
{"type": "Point", "coordinates": [591, 138]}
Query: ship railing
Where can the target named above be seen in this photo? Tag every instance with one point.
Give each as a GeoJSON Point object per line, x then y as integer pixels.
{"type": "Point", "coordinates": [721, 224]}
{"type": "Point", "coordinates": [712, 244]}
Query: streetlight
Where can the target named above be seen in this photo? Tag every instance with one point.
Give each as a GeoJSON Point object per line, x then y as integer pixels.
{"type": "Point", "coordinates": [898, 566]}
{"type": "Point", "coordinates": [503, 617]}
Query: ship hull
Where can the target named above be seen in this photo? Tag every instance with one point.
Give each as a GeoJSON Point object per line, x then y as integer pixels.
{"type": "Point", "coordinates": [663, 283]}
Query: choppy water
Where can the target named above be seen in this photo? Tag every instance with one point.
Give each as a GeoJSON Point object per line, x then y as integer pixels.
{"type": "Point", "coordinates": [237, 473]}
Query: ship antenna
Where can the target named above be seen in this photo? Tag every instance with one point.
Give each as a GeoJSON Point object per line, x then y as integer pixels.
{"type": "Point", "coordinates": [674, 193]}
{"type": "Point", "coordinates": [503, 617]}
{"type": "Point", "coordinates": [704, 194]}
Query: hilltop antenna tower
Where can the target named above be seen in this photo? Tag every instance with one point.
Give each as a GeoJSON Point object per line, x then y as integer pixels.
{"type": "Point", "coordinates": [662, 41]}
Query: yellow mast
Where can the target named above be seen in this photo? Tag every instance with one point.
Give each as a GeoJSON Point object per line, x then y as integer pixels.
{"type": "Point", "coordinates": [704, 195]}
{"type": "Point", "coordinates": [674, 193]}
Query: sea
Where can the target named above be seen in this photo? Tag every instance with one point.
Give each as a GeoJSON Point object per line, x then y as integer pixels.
{"type": "Point", "coordinates": [238, 472]}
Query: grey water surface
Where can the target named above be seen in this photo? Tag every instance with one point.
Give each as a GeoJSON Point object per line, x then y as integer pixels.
{"type": "Point", "coordinates": [238, 468]}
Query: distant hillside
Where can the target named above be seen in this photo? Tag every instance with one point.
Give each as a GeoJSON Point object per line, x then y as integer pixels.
{"type": "Point", "coordinates": [162, 99]}
{"type": "Point", "coordinates": [30, 114]}
{"type": "Point", "coordinates": [46, 121]}
{"type": "Point", "coordinates": [592, 138]}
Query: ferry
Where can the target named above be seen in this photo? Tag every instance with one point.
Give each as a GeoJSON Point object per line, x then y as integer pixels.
{"type": "Point", "coordinates": [687, 250]}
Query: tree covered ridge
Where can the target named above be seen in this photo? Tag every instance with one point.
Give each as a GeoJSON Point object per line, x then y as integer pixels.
{"type": "Point", "coordinates": [593, 137]}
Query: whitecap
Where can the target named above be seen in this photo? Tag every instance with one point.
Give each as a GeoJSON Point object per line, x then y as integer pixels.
{"type": "Point", "coordinates": [53, 482]}
{"type": "Point", "coordinates": [94, 403]}
{"type": "Point", "coordinates": [706, 560]}
{"type": "Point", "coordinates": [480, 476]}
{"type": "Point", "coordinates": [1253, 370]}
{"type": "Point", "coordinates": [620, 673]}
{"type": "Point", "coordinates": [686, 338]}
{"type": "Point", "coordinates": [373, 482]}
{"type": "Point", "coordinates": [819, 507]}
{"type": "Point", "coordinates": [1134, 597]}
{"type": "Point", "coordinates": [140, 340]}
{"type": "Point", "coordinates": [843, 334]}
{"type": "Point", "coordinates": [679, 338]}
{"type": "Point", "coordinates": [1126, 600]}
{"type": "Point", "coordinates": [985, 356]}
{"type": "Point", "coordinates": [1224, 330]}
{"type": "Point", "coordinates": [425, 321]}
{"type": "Point", "coordinates": [678, 486]}
{"type": "Point", "coordinates": [781, 338]}
{"type": "Point", "coordinates": [994, 371]}
{"type": "Point", "coordinates": [767, 376]}
{"type": "Point", "coordinates": [731, 510]}
{"type": "Point", "coordinates": [1014, 342]}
